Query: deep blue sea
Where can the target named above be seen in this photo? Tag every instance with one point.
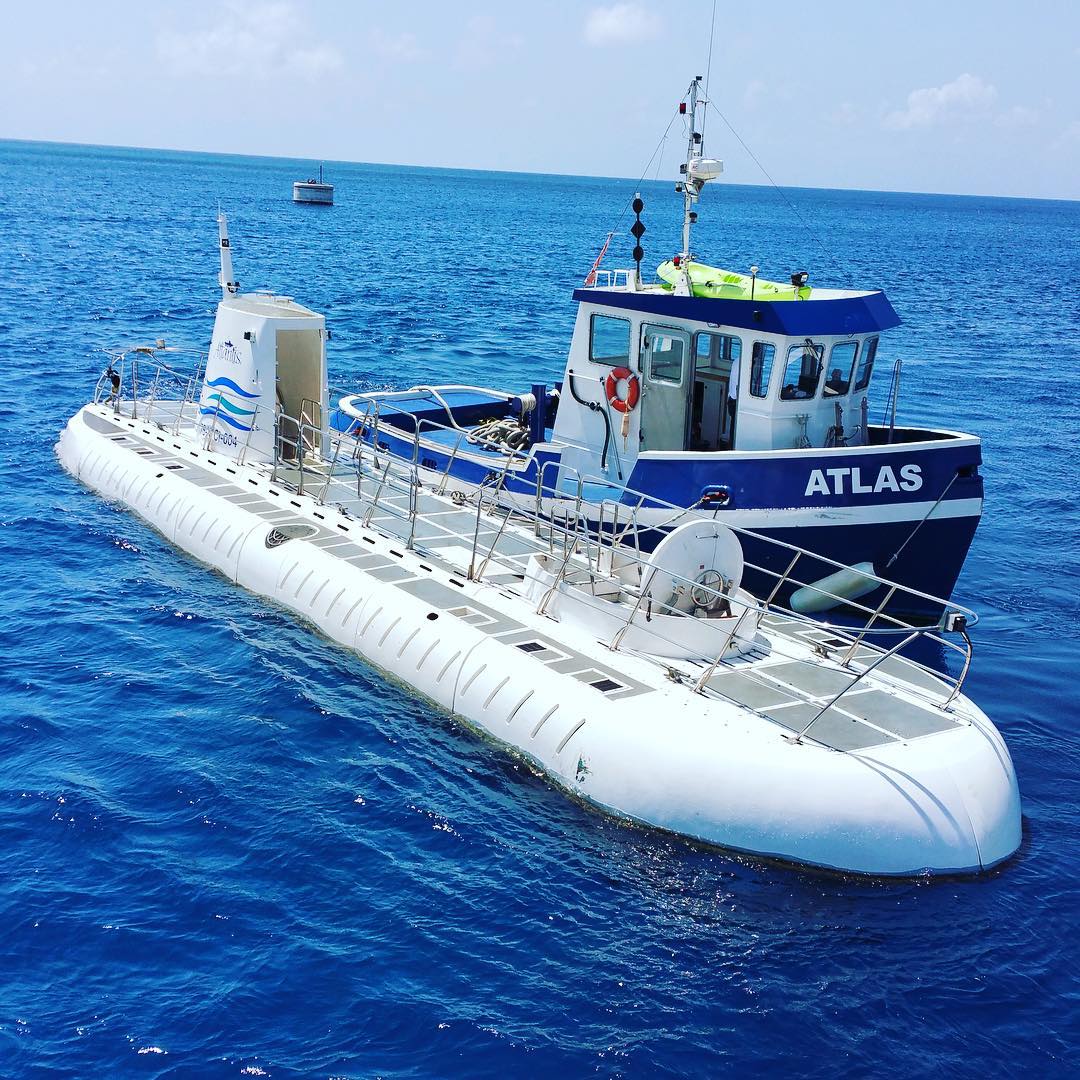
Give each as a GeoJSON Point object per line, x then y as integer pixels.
{"type": "Point", "coordinates": [228, 848]}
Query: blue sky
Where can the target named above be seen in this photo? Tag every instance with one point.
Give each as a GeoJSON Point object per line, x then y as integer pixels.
{"type": "Point", "coordinates": [980, 98]}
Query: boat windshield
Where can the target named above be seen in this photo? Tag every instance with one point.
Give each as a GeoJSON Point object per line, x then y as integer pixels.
{"type": "Point", "coordinates": [803, 371]}
{"type": "Point", "coordinates": [841, 365]}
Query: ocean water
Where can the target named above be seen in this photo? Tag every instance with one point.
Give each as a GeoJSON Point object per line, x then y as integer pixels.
{"type": "Point", "coordinates": [228, 848]}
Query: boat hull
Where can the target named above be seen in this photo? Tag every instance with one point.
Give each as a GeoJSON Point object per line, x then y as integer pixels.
{"type": "Point", "coordinates": [319, 194]}
{"type": "Point", "coordinates": [652, 751]}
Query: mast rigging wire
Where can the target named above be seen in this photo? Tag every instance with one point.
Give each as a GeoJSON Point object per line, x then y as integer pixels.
{"type": "Point", "coordinates": [708, 73]}
{"type": "Point", "coordinates": [645, 172]}
{"type": "Point", "coordinates": [776, 187]}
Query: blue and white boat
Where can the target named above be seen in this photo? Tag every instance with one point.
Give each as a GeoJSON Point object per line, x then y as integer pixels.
{"type": "Point", "coordinates": [655, 687]}
{"type": "Point", "coordinates": [734, 397]}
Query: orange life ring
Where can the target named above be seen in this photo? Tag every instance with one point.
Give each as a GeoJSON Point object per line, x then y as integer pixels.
{"type": "Point", "coordinates": [633, 390]}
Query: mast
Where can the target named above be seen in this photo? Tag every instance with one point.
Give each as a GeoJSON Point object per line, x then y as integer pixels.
{"type": "Point", "coordinates": [225, 278]}
{"type": "Point", "coordinates": [696, 171]}
{"type": "Point", "coordinates": [693, 150]}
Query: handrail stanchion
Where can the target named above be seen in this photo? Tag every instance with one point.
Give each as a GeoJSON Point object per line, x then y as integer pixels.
{"type": "Point", "coordinates": [782, 579]}
{"type": "Point", "coordinates": [542, 608]}
{"type": "Point", "coordinates": [441, 489]}
{"type": "Point", "coordinates": [134, 387]}
{"type": "Point", "coordinates": [242, 452]}
{"type": "Point", "coordinates": [710, 671]}
{"type": "Point", "coordinates": [616, 641]}
{"type": "Point", "coordinates": [330, 472]}
{"type": "Point", "coordinates": [862, 674]}
{"type": "Point", "coordinates": [858, 638]}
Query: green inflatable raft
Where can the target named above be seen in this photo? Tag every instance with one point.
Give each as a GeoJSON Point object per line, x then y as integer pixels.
{"type": "Point", "coordinates": [715, 284]}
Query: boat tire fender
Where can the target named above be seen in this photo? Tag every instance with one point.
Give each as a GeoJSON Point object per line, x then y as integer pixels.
{"type": "Point", "coordinates": [633, 390]}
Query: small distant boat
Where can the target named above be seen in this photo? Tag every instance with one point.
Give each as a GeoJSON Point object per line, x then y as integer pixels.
{"type": "Point", "coordinates": [313, 191]}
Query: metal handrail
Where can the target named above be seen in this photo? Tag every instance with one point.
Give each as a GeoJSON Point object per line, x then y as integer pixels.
{"type": "Point", "coordinates": [574, 538]}
{"type": "Point", "coordinates": [644, 500]}
{"type": "Point", "coordinates": [585, 539]}
{"type": "Point", "coordinates": [847, 689]}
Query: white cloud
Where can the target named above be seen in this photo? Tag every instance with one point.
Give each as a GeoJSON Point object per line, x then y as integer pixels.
{"type": "Point", "coordinates": [259, 40]}
{"type": "Point", "coordinates": [401, 48]}
{"type": "Point", "coordinates": [846, 114]}
{"type": "Point", "coordinates": [964, 97]}
{"type": "Point", "coordinates": [483, 43]}
{"type": "Point", "coordinates": [620, 24]}
{"type": "Point", "coordinates": [1019, 116]}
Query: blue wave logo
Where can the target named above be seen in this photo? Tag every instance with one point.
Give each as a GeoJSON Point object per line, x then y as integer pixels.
{"type": "Point", "coordinates": [222, 381]}
{"type": "Point", "coordinates": [226, 404]}
{"type": "Point", "coordinates": [225, 418]}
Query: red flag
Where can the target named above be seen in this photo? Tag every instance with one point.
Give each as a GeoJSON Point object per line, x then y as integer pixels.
{"type": "Point", "coordinates": [590, 278]}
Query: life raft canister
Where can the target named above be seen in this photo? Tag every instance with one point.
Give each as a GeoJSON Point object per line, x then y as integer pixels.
{"type": "Point", "coordinates": [633, 390]}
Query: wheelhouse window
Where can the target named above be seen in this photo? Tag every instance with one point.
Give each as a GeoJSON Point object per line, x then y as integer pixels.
{"type": "Point", "coordinates": [665, 353]}
{"type": "Point", "coordinates": [841, 365]}
{"type": "Point", "coordinates": [866, 364]}
{"type": "Point", "coordinates": [715, 352]}
{"type": "Point", "coordinates": [803, 371]}
{"type": "Point", "coordinates": [609, 341]}
{"type": "Point", "coordinates": [761, 365]}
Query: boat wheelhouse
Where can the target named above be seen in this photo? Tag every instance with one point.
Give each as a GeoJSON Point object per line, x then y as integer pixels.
{"type": "Point", "coordinates": [729, 395]}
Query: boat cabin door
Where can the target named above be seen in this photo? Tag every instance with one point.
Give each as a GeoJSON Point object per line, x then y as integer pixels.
{"type": "Point", "coordinates": [299, 392]}
{"type": "Point", "coordinates": [665, 365]}
{"type": "Point", "coordinates": [713, 397]}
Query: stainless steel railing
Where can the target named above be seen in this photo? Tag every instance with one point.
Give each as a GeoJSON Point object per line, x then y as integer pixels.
{"type": "Point", "coordinates": [381, 488]}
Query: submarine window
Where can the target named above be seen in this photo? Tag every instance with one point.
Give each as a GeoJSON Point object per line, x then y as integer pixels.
{"type": "Point", "coordinates": [609, 341]}
{"type": "Point", "coordinates": [841, 367]}
{"type": "Point", "coordinates": [761, 363]}
{"type": "Point", "coordinates": [803, 371]}
{"type": "Point", "coordinates": [866, 364]}
{"type": "Point", "coordinates": [605, 686]}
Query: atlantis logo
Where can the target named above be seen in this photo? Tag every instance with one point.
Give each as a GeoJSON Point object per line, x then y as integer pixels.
{"type": "Point", "coordinates": [226, 350]}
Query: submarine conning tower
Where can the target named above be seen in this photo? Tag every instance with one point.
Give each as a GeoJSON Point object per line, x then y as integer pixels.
{"type": "Point", "coordinates": [265, 385]}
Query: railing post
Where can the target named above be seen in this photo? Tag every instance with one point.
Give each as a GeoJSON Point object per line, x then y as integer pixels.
{"type": "Point", "coordinates": [241, 454]}
{"type": "Point", "coordinates": [710, 671]}
{"type": "Point", "coordinates": [441, 489]}
{"type": "Point", "coordinates": [862, 674]}
{"type": "Point", "coordinates": [860, 636]}
{"type": "Point", "coordinates": [213, 426]}
{"type": "Point", "coordinates": [414, 506]}
{"type": "Point", "coordinates": [330, 472]}
{"type": "Point", "coordinates": [134, 388]}
{"type": "Point", "coordinates": [783, 578]}
{"type": "Point", "coordinates": [616, 641]}
{"type": "Point", "coordinates": [378, 492]}
{"type": "Point", "coordinates": [542, 609]}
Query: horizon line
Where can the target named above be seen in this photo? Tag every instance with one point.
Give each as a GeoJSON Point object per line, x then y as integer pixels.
{"type": "Point", "coordinates": [522, 172]}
